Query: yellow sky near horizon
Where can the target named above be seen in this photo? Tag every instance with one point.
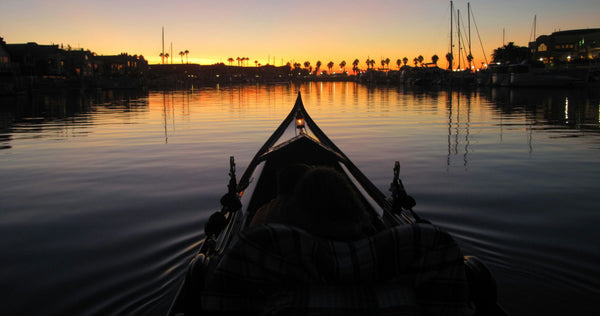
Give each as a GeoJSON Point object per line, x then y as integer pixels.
{"type": "Point", "coordinates": [289, 31]}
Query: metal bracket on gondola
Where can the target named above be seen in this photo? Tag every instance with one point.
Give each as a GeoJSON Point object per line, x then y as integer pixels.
{"type": "Point", "coordinates": [230, 202]}
{"type": "Point", "coordinates": [400, 199]}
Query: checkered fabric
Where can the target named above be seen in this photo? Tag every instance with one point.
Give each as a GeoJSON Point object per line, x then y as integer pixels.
{"type": "Point", "coordinates": [275, 269]}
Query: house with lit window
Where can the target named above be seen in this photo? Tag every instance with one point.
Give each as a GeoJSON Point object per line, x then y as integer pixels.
{"type": "Point", "coordinates": [123, 64]}
{"type": "Point", "coordinates": [566, 46]}
{"type": "Point", "coordinates": [37, 60]}
{"type": "Point", "coordinates": [4, 56]}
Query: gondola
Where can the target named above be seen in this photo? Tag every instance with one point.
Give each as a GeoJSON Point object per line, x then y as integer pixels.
{"type": "Point", "coordinates": [408, 266]}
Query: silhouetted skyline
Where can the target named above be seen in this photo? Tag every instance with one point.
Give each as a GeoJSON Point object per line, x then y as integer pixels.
{"type": "Point", "coordinates": [278, 32]}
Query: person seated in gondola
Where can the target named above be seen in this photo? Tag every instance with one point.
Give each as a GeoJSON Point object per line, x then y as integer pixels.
{"type": "Point", "coordinates": [327, 259]}
{"type": "Point", "coordinates": [280, 208]}
{"type": "Point", "coordinates": [328, 207]}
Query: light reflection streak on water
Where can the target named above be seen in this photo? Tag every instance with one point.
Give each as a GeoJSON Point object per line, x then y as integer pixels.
{"type": "Point", "coordinates": [567, 109]}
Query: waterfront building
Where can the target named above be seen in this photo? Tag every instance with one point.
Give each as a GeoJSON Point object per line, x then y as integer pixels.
{"type": "Point", "coordinates": [37, 60]}
{"type": "Point", "coordinates": [123, 64]}
{"type": "Point", "coordinates": [565, 46]}
{"type": "Point", "coordinates": [31, 66]}
{"type": "Point", "coordinates": [4, 55]}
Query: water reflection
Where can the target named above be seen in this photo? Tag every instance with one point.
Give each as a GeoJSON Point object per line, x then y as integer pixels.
{"type": "Point", "coordinates": [131, 195]}
{"type": "Point", "coordinates": [572, 108]}
{"type": "Point", "coordinates": [575, 110]}
{"type": "Point", "coordinates": [458, 123]}
{"type": "Point", "coordinates": [63, 114]}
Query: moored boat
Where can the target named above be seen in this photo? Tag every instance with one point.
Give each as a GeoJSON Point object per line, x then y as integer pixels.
{"type": "Point", "coordinates": [406, 266]}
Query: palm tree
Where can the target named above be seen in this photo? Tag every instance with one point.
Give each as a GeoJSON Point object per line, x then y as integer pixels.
{"type": "Point", "coordinates": [318, 67]}
{"type": "Point", "coordinates": [355, 66]}
{"type": "Point", "coordinates": [405, 61]}
{"type": "Point", "coordinates": [330, 66]}
{"type": "Point", "coordinates": [181, 53]}
{"type": "Point", "coordinates": [167, 57]}
{"type": "Point", "coordinates": [372, 63]}
{"type": "Point", "coordinates": [398, 63]}
{"type": "Point", "coordinates": [416, 61]}
{"type": "Point", "coordinates": [387, 63]}
{"type": "Point", "coordinates": [343, 65]}
{"type": "Point", "coordinates": [230, 60]}
{"type": "Point", "coordinates": [256, 63]}
{"type": "Point", "coordinates": [420, 58]}
{"type": "Point", "coordinates": [469, 59]}
{"type": "Point", "coordinates": [238, 60]}
{"type": "Point", "coordinates": [307, 66]}
{"type": "Point", "coordinates": [449, 58]}
{"type": "Point", "coordinates": [434, 59]}
{"type": "Point", "coordinates": [186, 52]}
{"type": "Point", "coordinates": [162, 57]}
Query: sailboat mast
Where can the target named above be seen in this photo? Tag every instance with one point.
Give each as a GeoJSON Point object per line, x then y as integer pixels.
{"type": "Point", "coordinates": [469, 17]}
{"type": "Point", "coordinates": [451, 42]}
{"type": "Point", "coordinates": [458, 27]}
{"type": "Point", "coordinates": [534, 27]}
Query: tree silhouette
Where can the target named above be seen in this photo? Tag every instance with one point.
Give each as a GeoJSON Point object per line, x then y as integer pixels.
{"type": "Point", "coordinates": [186, 52]}
{"type": "Point", "coordinates": [405, 61]}
{"type": "Point", "coordinates": [230, 60]}
{"type": "Point", "coordinates": [167, 57]}
{"type": "Point", "coordinates": [434, 59]}
{"type": "Point", "coordinates": [450, 60]}
{"type": "Point", "coordinates": [387, 63]}
{"type": "Point", "coordinates": [318, 67]}
{"type": "Point", "coordinates": [355, 66]}
{"type": "Point", "coordinates": [330, 66]}
{"type": "Point", "coordinates": [343, 65]}
{"type": "Point", "coordinates": [370, 63]}
{"type": "Point", "coordinates": [510, 54]}
{"type": "Point", "coordinates": [162, 57]}
{"type": "Point", "coordinates": [181, 53]}
{"type": "Point", "coordinates": [420, 58]}
{"type": "Point", "coordinates": [398, 63]}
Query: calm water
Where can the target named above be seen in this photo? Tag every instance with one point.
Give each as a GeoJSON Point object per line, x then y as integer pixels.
{"type": "Point", "coordinates": [103, 196]}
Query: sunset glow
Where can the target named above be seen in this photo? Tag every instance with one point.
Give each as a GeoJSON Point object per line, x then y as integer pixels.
{"type": "Point", "coordinates": [278, 32]}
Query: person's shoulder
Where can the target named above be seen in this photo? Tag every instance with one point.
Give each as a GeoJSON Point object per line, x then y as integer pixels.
{"type": "Point", "coordinates": [262, 214]}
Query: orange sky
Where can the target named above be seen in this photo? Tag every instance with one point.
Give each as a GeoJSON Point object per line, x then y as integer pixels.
{"type": "Point", "coordinates": [289, 31]}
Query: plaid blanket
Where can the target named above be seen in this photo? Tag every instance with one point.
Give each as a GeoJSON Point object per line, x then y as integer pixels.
{"type": "Point", "coordinates": [281, 270]}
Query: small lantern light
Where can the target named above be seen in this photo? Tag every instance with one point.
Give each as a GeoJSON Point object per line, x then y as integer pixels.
{"type": "Point", "coordinates": [300, 123]}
